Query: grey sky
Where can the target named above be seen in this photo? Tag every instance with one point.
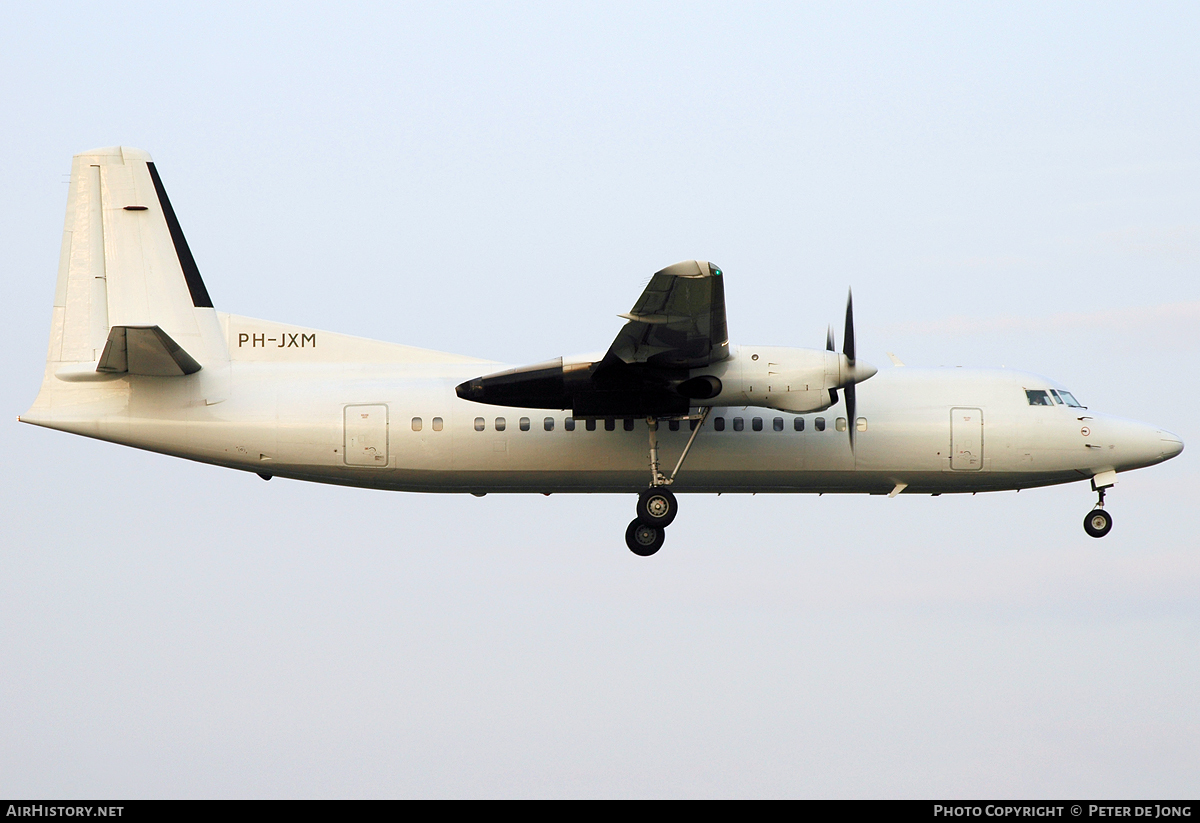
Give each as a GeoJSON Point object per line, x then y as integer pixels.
{"type": "Point", "coordinates": [1002, 185]}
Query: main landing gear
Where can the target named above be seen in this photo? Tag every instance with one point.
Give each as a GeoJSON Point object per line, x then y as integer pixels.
{"type": "Point", "coordinates": [1098, 522]}
{"type": "Point", "coordinates": [644, 540]}
{"type": "Point", "coordinates": [656, 506]}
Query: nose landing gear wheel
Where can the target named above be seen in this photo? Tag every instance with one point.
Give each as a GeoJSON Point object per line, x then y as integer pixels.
{"type": "Point", "coordinates": [1098, 523]}
{"type": "Point", "coordinates": [644, 540]}
{"type": "Point", "coordinates": [656, 506]}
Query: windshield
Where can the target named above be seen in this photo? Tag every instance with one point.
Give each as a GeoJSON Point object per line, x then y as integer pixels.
{"type": "Point", "coordinates": [1070, 399]}
{"type": "Point", "coordinates": [1042, 397]}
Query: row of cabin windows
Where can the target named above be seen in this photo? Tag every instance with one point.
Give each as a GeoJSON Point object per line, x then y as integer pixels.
{"type": "Point", "coordinates": [756, 424]}
{"type": "Point", "coordinates": [627, 423]}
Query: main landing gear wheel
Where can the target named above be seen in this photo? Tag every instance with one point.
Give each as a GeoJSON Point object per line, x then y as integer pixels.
{"type": "Point", "coordinates": [644, 540]}
{"type": "Point", "coordinates": [656, 506]}
{"type": "Point", "coordinates": [1098, 523]}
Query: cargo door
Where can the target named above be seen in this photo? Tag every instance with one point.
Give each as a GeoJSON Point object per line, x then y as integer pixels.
{"type": "Point", "coordinates": [366, 435]}
{"type": "Point", "coordinates": [966, 439]}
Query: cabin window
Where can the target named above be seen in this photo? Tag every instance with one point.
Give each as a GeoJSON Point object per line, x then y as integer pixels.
{"type": "Point", "coordinates": [437, 424]}
{"type": "Point", "coordinates": [500, 424]}
{"type": "Point", "coordinates": [548, 424]}
{"type": "Point", "coordinates": [840, 424]}
{"type": "Point", "coordinates": [798, 424]}
{"type": "Point", "coordinates": [610, 424]}
{"type": "Point", "coordinates": [591, 425]}
{"type": "Point", "coordinates": [719, 424]}
{"type": "Point", "coordinates": [1037, 397]}
{"type": "Point", "coordinates": [1070, 400]}
{"type": "Point", "coordinates": [673, 425]}
{"type": "Point", "coordinates": [739, 424]}
{"type": "Point", "coordinates": [628, 424]}
{"type": "Point", "coordinates": [524, 424]}
{"type": "Point", "coordinates": [480, 424]}
{"type": "Point", "coordinates": [861, 424]}
{"type": "Point", "coordinates": [569, 424]}
{"type": "Point", "coordinates": [819, 424]}
{"type": "Point", "coordinates": [756, 424]}
{"type": "Point", "coordinates": [777, 424]}
{"type": "Point", "coordinates": [416, 424]}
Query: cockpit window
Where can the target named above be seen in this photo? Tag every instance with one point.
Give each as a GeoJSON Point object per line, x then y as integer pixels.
{"type": "Point", "coordinates": [1057, 399]}
{"type": "Point", "coordinates": [1037, 397]}
{"type": "Point", "coordinates": [1070, 400]}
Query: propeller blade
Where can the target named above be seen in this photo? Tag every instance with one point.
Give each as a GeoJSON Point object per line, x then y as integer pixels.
{"type": "Point", "coordinates": [848, 337]}
{"type": "Point", "coordinates": [850, 411]}
{"type": "Point", "coordinates": [848, 350]}
{"type": "Point", "coordinates": [829, 339]}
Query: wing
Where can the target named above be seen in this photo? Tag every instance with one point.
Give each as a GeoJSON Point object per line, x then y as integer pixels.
{"type": "Point", "coordinates": [677, 324]}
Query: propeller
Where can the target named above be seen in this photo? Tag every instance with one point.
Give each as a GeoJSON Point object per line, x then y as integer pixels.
{"type": "Point", "coordinates": [852, 373]}
{"type": "Point", "coordinates": [848, 350]}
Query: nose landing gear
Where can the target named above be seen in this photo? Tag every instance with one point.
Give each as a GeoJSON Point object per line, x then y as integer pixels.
{"type": "Point", "coordinates": [1098, 522]}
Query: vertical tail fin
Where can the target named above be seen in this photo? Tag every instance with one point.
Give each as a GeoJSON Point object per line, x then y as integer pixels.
{"type": "Point", "coordinates": [125, 262]}
{"type": "Point", "coordinates": [126, 274]}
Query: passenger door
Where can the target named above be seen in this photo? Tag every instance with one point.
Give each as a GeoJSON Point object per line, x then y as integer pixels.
{"type": "Point", "coordinates": [966, 439]}
{"type": "Point", "coordinates": [366, 435]}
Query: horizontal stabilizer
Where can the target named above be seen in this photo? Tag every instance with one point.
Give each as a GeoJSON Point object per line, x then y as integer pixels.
{"type": "Point", "coordinates": [144, 350]}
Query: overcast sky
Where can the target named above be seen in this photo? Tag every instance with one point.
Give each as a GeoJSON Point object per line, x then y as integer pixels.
{"type": "Point", "coordinates": [1001, 184]}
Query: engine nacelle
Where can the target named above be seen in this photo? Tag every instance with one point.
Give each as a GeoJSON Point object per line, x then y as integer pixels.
{"type": "Point", "coordinates": [793, 380]}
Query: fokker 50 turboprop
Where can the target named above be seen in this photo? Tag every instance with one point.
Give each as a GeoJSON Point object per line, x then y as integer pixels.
{"type": "Point", "coordinates": [139, 356]}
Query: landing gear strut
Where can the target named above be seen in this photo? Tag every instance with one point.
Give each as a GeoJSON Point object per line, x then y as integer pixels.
{"type": "Point", "coordinates": [657, 507]}
{"type": "Point", "coordinates": [1098, 522]}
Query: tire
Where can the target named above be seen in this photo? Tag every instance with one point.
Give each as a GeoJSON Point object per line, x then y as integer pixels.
{"type": "Point", "coordinates": [1098, 523]}
{"type": "Point", "coordinates": [657, 507]}
{"type": "Point", "coordinates": [644, 540]}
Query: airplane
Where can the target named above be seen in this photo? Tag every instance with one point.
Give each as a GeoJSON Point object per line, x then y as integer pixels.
{"type": "Point", "coordinates": [139, 356]}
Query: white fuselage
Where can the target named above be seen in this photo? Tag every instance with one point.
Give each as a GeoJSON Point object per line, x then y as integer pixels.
{"type": "Point", "coordinates": [392, 420]}
{"type": "Point", "coordinates": [138, 355]}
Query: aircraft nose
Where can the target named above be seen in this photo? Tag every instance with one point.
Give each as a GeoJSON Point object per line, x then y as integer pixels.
{"type": "Point", "coordinates": [1172, 444]}
{"type": "Point", "coordinates": [1140, 444]}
